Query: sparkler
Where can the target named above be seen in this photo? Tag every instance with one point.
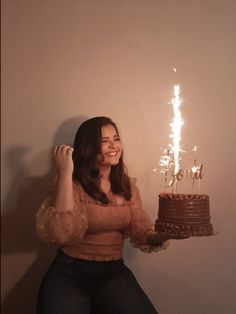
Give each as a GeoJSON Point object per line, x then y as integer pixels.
{"type": "Point", "coordinates": [170, 160]}
{"type": "Point", "coordinates": [166, 163]}
{"type": "Point", "coordinates": [176, 128]}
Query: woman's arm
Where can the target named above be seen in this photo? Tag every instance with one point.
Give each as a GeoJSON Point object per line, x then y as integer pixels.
{"type": "Point", "coordinates": [155, 238]}
{"type": "Point", "coordinates": [63, 195]}
{"type": "Point", "coordinates": [141, 231]}
{"type": "Point", "coordinates": [62, 217]}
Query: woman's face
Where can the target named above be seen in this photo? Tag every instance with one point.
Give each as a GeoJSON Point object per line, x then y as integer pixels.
{"type": "Point", "coordinates": [111, 148]}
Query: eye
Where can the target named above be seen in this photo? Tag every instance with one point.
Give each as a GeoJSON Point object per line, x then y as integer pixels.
{"type": "Point", "coordinates": [117, 139]}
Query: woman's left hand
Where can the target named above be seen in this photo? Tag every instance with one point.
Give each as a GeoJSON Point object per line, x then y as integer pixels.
{"type": "Point", "coordinates": [157, 238]}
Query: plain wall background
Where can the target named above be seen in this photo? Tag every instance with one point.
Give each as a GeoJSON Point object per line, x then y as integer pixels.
{"type": "Point", "coordinates": [64, 61]}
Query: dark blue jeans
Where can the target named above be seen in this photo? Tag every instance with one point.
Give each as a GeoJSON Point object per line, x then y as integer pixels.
{"type": "Point", "coordinates": [75, 286]}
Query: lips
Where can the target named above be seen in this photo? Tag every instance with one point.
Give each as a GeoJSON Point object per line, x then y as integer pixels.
{"type": "Point", "coordinates": [112, 154]}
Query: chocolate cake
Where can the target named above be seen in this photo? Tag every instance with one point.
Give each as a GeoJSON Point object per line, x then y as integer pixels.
{"type": "Point", "coordinates": [184, 215]}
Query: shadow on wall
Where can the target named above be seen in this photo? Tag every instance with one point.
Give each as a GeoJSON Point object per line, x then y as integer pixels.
{"type": "Point", "coordinates": [18, 223]}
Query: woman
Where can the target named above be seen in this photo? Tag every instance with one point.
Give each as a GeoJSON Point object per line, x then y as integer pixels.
{"type": "Point", "coordinates": [93, 206]}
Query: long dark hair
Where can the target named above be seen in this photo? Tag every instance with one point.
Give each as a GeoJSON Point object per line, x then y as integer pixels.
{"type": "Point", "coordinates": [87, 146]}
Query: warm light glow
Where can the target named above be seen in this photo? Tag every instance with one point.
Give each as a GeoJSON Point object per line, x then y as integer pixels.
{"type": "Point", "coordinates": [170, 159]}
{"type": "Point", "coordinates": [176, 128]}
{"type": "Point", "coordinates": [195, 169]}
{"type": "Point", "coordinates": [165, 161]}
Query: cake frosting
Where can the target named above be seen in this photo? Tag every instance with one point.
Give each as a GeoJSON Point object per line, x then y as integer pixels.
{"type": "Point", "coordinates": [184, 215]}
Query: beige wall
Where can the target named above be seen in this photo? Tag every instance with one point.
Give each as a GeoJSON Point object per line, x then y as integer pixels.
{"type": "Point", "coordinates": [64, 61]}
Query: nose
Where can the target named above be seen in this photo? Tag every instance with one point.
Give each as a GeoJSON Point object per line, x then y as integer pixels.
{"type": "Point", "coordinates": [111, 144]}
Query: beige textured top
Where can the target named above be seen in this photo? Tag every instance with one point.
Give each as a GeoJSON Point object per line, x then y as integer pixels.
{"type": "Point", "coordinates": [93, 230]}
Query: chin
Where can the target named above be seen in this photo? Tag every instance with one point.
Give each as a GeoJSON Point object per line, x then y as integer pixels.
{"type": "Point", "coordinates": [111, 163]}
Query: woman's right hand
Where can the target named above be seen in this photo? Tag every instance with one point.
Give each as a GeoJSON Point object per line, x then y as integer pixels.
{"type": "Point", "coordinates": [62, 156]}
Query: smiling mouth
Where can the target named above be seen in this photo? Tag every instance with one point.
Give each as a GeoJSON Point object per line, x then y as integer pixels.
{"type": "Point", "coordinates": [112, 154]}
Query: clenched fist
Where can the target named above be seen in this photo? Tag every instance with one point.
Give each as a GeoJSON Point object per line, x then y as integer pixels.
{"type": "Point", "coordinates": [62, 156]}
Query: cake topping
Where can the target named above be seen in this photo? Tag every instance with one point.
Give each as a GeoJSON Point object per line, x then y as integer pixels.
{"type": "Point", "coordinates": [177, 196]}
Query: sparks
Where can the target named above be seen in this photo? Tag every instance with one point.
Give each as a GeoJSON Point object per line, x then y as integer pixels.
{"type": "Point", "coordinates": [176, 128]}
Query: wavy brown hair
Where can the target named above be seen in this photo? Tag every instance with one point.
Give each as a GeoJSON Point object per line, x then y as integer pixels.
{"type": "Point", "coordinates": [87, 146]}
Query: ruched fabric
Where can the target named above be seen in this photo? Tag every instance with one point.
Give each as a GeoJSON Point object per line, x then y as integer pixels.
{"type": "Point", "coordinates": [62, 226]}
{"type": "Point", "coordinates": [93, 230]}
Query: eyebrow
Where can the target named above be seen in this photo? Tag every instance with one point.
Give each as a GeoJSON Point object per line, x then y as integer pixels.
{"type": "Point", "coordinates": [108, 136]}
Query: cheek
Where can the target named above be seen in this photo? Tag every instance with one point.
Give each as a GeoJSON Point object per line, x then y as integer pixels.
{"type": "Point", "coordinates": [104, 148]}
{"type": "Point", "coordinates": [103, 151]}
{"type": "Point", "coordinates": [121, 148]}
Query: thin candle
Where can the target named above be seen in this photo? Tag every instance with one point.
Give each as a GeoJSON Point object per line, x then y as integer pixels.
{"type": "Point", "coordinates": [194, 170]}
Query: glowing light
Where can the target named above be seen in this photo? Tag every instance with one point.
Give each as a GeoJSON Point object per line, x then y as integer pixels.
{"type": "Point", "coordinates": [176, 128]}
{"type": "Point", "coordinates": [170, 159]}
{"type": "Point", "coordinates": [165, 160]}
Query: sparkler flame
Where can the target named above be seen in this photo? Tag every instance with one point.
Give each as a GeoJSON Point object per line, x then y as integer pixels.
{"type": "Point", "coordinates": [165, 161]}
{"type": "Point", "coordinates": [195, 169]}
{"type": "Point", "coordinates": [176, 128]}
{"type": "Point", "coordinates": [170, 160]}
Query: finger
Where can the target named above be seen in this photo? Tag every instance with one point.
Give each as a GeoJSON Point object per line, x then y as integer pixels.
{"type": "Point", "coordinates": [180, 237]}
{"type": "Point", "coordinates": [56, 149]}
{"type": "Point", "coordinates": [69, 151]}
{"type": "Point", "coordinates": [61, 149]}
{"type": "Point", "coordinates": [65, 150]}
{"type": "Point", "coordinates": [167, 236]}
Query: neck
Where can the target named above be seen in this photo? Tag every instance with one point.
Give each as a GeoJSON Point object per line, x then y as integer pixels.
{"type": "Point", "coordinates": [105, 172]}
{"type": "Point", "coordinates": [105, 183]}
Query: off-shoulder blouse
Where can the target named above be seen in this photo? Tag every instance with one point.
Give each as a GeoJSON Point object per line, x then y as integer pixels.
{"type": "Point", "coordinates": [93, 230]}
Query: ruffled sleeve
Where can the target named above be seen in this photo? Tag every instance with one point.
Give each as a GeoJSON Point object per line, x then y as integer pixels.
{"type": "Point", "coordinates": [62, 226]}
{"type": "Point", "coordinates": [140, 224]}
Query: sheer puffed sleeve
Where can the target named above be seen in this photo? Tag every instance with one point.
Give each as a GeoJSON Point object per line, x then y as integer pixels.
{"type": "Point", "coordinates": [62, 226]}
{"type": "Point", "coordinates": [140, 224]}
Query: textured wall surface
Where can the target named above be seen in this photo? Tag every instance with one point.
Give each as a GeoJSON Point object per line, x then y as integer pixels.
{"type": "Point", "coordinates": [64, 61]}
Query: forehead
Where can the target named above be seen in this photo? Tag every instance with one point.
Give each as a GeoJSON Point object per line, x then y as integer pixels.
{"type": "Point", "coordinates": [108, 130]}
